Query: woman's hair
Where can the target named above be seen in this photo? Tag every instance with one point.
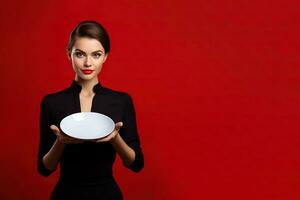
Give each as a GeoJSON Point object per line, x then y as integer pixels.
{"type": "Point", "coordinates": [90, 29]}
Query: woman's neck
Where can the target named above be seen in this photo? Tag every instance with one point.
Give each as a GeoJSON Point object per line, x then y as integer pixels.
{"type": "Point", "coordinates": [87, 86]}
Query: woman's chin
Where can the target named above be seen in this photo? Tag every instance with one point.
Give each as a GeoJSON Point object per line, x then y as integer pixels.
{"type": "Point", "coordinates": [87, 77]}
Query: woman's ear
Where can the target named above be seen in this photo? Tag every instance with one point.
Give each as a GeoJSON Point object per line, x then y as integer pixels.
{"type": "Point", "coordinates": [105, 56]}
{"type": "Point", "coordinates": [69, 56]}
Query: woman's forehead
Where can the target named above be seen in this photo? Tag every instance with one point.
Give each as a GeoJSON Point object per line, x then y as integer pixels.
{"type": "Point", "coordinates": [88, 44]}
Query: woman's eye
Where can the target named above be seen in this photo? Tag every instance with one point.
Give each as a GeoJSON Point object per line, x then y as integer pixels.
{"type": "Point", "coordinates": [78, 54]}
{"type": "Point", "coordinates": [97, 55]}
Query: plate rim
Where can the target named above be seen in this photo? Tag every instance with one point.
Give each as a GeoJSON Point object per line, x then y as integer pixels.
{"type": "Point", "coordinates": [86, 138]}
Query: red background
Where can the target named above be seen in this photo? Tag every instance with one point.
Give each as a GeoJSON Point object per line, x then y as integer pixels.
{"type": "Point", "coordinates": [215, 86]}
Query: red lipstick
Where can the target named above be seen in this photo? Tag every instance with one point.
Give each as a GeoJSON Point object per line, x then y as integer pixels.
{"type": "Point", "coordinates": [87, 71]}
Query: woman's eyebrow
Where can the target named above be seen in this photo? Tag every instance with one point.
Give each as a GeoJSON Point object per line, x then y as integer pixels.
{"type": "Point", "coordinates": [92, 52]}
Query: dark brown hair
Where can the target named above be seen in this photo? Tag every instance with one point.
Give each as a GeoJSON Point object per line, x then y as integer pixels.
{"type": "Point", "coordinates": [90, 29]}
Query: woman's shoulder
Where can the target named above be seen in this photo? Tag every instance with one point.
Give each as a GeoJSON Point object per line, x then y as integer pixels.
{"type": "Point", "coordinates": [56, 96]}
{"type": "Point", "coordinates": [120, 96]}
{"type": "Point", "coordinates": [114, 92]}
{"type": "Point", "coordinates": [64, 94]}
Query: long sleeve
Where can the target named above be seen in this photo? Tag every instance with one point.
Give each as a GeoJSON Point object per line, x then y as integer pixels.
{"type": "Point", "coordinates": [47, 138]}
{"type": "Point", "coordinates": [130, 135]}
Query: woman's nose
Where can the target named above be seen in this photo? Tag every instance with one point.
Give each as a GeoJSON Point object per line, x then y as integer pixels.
{"type": "Point", "coordinates": [87, 62]}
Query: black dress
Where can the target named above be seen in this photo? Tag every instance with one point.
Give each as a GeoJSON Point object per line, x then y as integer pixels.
{"type": "Point", "coordinates": [86, 168]}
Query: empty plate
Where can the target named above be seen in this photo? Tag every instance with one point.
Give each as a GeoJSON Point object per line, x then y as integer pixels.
{"type": "Point", "coordinates": [87, 125]}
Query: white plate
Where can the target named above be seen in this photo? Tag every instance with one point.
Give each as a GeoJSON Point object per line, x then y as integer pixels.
{"type": "Point", "coordinates": [87, 125]}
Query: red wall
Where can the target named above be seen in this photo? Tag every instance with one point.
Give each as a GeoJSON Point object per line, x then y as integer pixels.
{"type": "Point", "coordinates": [215, 86]}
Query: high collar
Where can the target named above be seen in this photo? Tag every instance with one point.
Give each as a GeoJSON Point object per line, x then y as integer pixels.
{"type": "Point", "coordinates": [77, 87]}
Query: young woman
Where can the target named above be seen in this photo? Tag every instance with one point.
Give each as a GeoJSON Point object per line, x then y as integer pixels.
{"type": "Point", "coordinates": [86, 166]}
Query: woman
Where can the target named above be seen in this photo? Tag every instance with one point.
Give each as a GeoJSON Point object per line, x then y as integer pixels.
{"type": "Point", "coordinates": [86, 166]}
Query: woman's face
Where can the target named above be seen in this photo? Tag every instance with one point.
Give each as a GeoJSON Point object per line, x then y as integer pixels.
{"type": "Point", "coordinates": [87, 54]}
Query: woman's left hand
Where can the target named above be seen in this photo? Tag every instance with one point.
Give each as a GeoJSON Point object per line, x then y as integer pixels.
{"type": "Point", "coordinates": [111, 136]}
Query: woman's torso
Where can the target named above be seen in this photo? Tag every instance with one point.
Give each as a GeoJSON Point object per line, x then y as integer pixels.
{"type": "Point", "coordinates": [86, 168]}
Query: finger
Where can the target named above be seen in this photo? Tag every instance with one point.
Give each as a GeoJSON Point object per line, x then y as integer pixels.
{"type": "Point", "coordinates": [72, 140]}
{"type": "Point", "coordinates": [101, 140]}
{"type": "Point", "coordinates": [55, 130]}
{"type": "Point", "coordinates": [105, 139]}
{"type": "Point", "coordinates": [108, 137]}
{"type": "Point", "coordinates": [118, 126]}
{"type": "Point", "coordinates": [75, 142]}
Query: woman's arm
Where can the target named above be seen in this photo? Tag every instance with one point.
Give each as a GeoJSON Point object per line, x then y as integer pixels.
{"type": "Point", "coordinates": [51, 147]}
{"type": "Point", "coordinates": [47, 138]}
{"type": "Point", "coordinates": [127, 143]}
{"type": "Point", "coordinates": [126, 153]}
{"type": "Point", "coordinates": [51, 159]}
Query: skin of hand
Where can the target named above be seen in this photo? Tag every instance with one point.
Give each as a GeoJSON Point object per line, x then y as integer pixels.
{"type": "Point", "coordinates": [63, 138]}
{"type": "Point", "coordinates": [127, 154]}
{"type": "Point", "coordinates": [112, 135]}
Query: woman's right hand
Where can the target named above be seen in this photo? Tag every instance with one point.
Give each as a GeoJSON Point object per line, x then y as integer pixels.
{"type": "Point", "coordinates": [63, 138]}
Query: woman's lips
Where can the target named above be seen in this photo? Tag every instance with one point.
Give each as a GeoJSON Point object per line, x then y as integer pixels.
{"type": "Point", "coordinates": [87, 71]}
